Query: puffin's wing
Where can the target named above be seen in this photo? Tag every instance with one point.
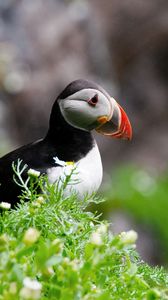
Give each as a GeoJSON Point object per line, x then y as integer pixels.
{"type": "Point", "coordinates": [32, 155]}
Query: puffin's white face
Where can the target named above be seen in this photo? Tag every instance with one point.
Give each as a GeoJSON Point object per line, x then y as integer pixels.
{"type": "Point", "coordinates": [90, 108]}
{"type": "Point", "coordinates": [83, 108]}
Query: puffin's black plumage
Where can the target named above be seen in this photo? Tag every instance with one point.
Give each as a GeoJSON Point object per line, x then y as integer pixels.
{"type": "Point", "coordinates": [78, 85]}
{"type": "Point", "coordinates": [62, 140]}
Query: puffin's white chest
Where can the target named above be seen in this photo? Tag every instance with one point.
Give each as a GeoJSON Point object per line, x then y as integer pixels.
{"type": "Point", "coordinates": [88, 173]}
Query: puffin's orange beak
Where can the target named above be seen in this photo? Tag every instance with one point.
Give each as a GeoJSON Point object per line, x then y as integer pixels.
{"type": "Point", "coordinates": [118, 125]}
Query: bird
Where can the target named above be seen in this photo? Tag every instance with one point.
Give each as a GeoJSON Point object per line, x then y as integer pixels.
{"type": "Point", "coordinates": [83, 106]}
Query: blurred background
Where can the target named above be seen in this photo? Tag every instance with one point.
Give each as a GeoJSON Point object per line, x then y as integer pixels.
{"type": "Point", "coordinates": [123, 46]}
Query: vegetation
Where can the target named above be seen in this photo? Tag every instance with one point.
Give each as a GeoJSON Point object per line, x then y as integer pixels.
{"type": "Point", "coordinates": [144, 197]}
{"type": "Point", "coordinates": [53, 248]}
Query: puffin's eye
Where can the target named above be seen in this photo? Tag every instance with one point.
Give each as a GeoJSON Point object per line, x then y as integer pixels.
{"type": "Point", "coordinates": [93, 101]}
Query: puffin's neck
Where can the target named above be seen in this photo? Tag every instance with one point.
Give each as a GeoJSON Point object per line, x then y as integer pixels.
{"type": "Point", "coordinates": [70, 143]}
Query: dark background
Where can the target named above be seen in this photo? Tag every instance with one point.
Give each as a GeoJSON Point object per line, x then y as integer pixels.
{"type": "Point", "coordinates": [122, 45]}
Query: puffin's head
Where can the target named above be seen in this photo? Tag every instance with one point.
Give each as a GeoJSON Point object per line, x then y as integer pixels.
{"type": "Point", "coordinates": [86, 106]}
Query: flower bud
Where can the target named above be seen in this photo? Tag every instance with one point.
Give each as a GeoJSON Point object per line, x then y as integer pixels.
{"type": "Point", "coordinates": [5, 205]}
{"type": "Point", "coordinates": [129, 237]}
{"type": "Point", "coordinates": [31, 289]}
{"type": "Point", "coordinates": [96, 238]}
{"type": "Point", "coordinates": [33, 173]}
{"type": "Point", "coordinates": [102, 229]}
{"type": "Point", "coordinates": [31, 236]}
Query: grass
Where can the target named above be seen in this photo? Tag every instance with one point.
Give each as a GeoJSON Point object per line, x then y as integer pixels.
{"type": "Point", "coordinates": [52, 247]}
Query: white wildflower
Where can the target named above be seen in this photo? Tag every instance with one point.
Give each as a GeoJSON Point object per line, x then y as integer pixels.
{"type": "Point", "coordinates": [75, 264]}
{"type": "Point", "coordinates": [102, 229]}
{"type": "Point", "coordinates": [66, 261]}
{"type": "Point", "coordinates": [91, 224]}
{"type": "Point", "coordinates": [5, 205]}
{"type": "Point", "coordinates": [96, 238]}
{"type": "Point", "coordinates": [31, 289]}
{"type": "Point", "coordinates": [93, 287]}
{"type": "Point", "coordinates": [59, 162]}
{"type": "Point", "coordinates": [31, 236]}
{"type": "Point", "coordinates": [129, 237]}
{"type": "Point", "coordinates": [40, 199]}
{"type": "Point", "coordinates": [33, 173]}
{"type": "Point", "coordinates": [62, 163]}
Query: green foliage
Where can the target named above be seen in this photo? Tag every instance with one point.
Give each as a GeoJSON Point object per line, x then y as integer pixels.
{"type": "Point", "coordinates": [52, 248]}
{"type": "Point", "coordinates": [143, 196]}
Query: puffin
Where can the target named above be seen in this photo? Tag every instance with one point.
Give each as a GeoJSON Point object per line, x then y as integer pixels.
{"type": "Point", "coordinates": [83, 106]}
